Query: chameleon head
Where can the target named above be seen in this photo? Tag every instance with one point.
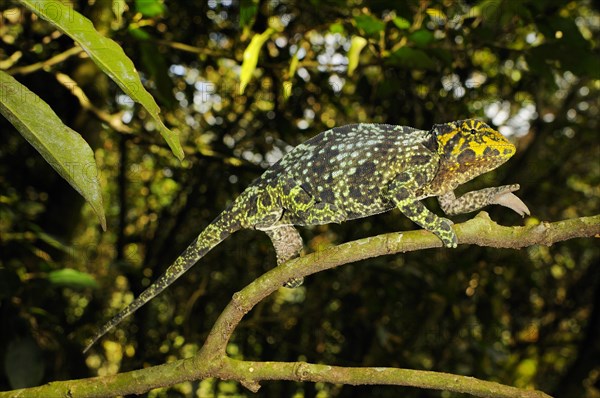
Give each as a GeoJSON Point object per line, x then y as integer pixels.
{"type": "Point", "coordinates": [468, 148]}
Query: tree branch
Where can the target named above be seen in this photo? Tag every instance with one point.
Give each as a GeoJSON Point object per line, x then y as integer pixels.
{"type": "Point", "coordinates": [212, 361]}
{"type": "Point", "coordinates": [46, 64]}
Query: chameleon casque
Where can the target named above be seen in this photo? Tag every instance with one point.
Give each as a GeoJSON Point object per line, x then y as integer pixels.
{"type": "Point", "coordinates": [351, 172]}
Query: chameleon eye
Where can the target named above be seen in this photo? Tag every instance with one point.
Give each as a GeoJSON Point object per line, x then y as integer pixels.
{"type": "Point", "coordinates": [473, 131]}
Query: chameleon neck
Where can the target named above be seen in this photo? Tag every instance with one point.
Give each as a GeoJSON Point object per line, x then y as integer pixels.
{"type": "Point", "coordinates": [221, 227]}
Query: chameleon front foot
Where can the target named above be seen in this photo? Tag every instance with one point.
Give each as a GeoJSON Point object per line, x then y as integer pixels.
{"type": "Point", "coordinates": [475, 200]}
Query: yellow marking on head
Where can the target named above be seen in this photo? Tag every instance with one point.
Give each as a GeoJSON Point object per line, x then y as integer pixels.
{"type": "Point", "coordinates": [467, 149]}
{"type": "Point", "coordinates": [443, 138]}
{"type": "Point", "coordinates": [456, 137]}
{"type": "Point", "coordinates": [492, 140]}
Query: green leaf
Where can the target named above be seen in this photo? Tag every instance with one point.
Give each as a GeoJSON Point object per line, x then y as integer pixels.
{"type": "Point", "coordinates": [412, 58]}
{"type": "Point", "coordinates": [51, 240]}
{"type": "Point", "coordinates": [287, 85]}
{"type": "Point", "coordinates": [421, 37]}
{"type": "Point", "coordinates": [248, 10]}
{"type": "Point", "coordinates": [68, 277]}
{"type": "Point", "coordinates": [293, 66]}
{"type": "Point", "coordinates": [441, 54]}
{"type": "Point", "coordinates": [109, 57]}
{"type": "Point", "coordinates": [251, 57]}
{"type": "Point", "coordinates": [369, 24]}
{"type": "Point", "coordinates": [437, 15]}
{"type": "Point", "coordinates": [64, 149]}
{"type": "Point", "coordinates": [139, 34]}
{"type": "Point", "coordinates": [150, 8]}
{"type": "Point", "coordinates": [401, 23]}
{"type": "Point", "coordinates": [356, 45]}
{"type": "Point", "coordinates": [336, 27]}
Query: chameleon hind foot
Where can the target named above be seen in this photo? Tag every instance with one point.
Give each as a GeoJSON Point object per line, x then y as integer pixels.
{"type": "Point", "coordinates": [294, 282]}
{"type": "Point", "coordinates": [288, 244]}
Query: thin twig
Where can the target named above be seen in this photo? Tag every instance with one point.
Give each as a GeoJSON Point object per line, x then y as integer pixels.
{"type": "Point", "coordinates": [58, 58]}
{"type": "Point", "coordinates": [113, 120]}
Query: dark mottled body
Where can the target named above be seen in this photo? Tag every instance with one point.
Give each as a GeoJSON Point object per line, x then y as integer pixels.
{"type": "Point", "coordinates": [339, 175]}
{"type": "Point", "coordinates": [356, 171]}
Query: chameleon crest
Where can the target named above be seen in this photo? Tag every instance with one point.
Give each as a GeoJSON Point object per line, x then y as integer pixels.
{"type": "Point", "coordinates": [351, 172]}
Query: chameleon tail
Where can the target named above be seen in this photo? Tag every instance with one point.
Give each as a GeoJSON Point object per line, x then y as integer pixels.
{"type": "Point", "coordinates": [221, 227]}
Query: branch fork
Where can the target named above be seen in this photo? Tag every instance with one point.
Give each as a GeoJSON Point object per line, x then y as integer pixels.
{"type": "Point", "coordinates": [212, 360]}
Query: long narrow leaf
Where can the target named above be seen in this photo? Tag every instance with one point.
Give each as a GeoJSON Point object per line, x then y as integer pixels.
{"type": "Point", "coordinates": [251, 57]}
{"type": "Point", "coordinates": [108, 55]}
{"type": "Point", "coordinates": [72, 278]}
{"type": "Point", "coordinates": [64, 149]}
{"type": "Point", "coordinates": [356, 45]}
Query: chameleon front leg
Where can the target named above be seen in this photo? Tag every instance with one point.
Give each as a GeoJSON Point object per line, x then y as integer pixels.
{"type": "Point", "coordinates": [475, 200]}
{"type": "Point", "coordinates": [288, 244]}
{"type": "Point", "coordinates": [400, 194]}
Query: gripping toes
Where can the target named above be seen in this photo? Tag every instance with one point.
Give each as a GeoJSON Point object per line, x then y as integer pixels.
{"type": "Point", "coordinates": [288, 244]}
{"type": "Point", "coordinates": [294, 282]}
{"type": "Point", "coordinates": [509, 188]}
{"type": "Point", "coordinates": [441, 227]}
{"type": "Point", "coordinates": [446, 234]}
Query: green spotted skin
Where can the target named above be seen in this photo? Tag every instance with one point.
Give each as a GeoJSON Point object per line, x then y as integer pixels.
{"type": "Point", "coordinates": [351, 172]}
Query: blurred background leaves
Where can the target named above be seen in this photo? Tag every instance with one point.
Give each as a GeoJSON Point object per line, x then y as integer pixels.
{"type": "Point", "coordinates": [531, 68]}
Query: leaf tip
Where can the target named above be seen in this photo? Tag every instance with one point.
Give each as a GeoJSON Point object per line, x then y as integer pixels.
{"type": "Point", "coordinates": [97, 207]}
{"type": "Point", "coordinates": [176, 148]}
{"type": "Point", "coordinates": [179, 153]}
{"type": "Point", "coordinates": [102, 222]}
{"type": "Point", "coordinates": [172, 139]}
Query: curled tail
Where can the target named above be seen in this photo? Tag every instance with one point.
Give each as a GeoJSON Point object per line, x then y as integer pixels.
{"type": "Point", "coordinates": [221, 227]}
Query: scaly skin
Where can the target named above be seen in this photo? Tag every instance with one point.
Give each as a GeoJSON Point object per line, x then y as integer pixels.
{"type": "Point", "coordinates": [352, 172]}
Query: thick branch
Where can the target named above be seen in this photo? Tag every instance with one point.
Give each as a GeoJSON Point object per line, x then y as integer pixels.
{"type": "Point", "coordinates": [212, 361]}
{"type": "Point", "coordinates": [302, 371]}
{"type": "Point", "coordinates": [481, 231]}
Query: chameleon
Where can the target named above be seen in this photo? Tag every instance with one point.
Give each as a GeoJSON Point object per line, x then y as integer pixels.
{"type": "Point", "coordinates": [351, 172]}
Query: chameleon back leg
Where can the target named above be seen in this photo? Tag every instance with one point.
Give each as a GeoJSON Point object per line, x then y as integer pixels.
{"type": "Point", "coordinates": [288, 244]}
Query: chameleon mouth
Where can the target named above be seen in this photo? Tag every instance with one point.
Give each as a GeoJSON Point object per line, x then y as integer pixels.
{"type": "Point", "coordinates": [508, 150]}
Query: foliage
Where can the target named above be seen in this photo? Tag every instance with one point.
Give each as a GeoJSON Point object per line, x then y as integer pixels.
{"type": "Point", "coordinates": [241, 82]}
